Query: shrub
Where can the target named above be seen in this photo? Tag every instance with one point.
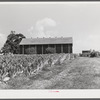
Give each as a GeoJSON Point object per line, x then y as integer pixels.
{"type": "Point", "coordinates": [31, 50]}
{"type": "Point", "coordinates": [50, 50]}
{"type": "Point", "coordinates": [94, 54]}
{"type": "Point", "coordinates": [80, 54]}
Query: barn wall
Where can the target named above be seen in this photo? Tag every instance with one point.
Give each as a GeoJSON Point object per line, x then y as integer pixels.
{"type": "Point", "coordinates": [41, 49]}
{"type": "Point", "coordinates": [51, 45]}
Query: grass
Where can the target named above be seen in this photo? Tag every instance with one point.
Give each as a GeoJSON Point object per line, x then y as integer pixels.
{"type": "Point", "coordinates": [80, 73]}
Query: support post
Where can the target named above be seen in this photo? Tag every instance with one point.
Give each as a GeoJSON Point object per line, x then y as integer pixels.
{"type": "Point", "coordinates": [55, 47]}
{"type": "Point", "coordinates": [23, 49]}
{"type": "Point", "coordinates": [61, 48]}
{"type": "Point", "coordinates": [71, 48]}
{"type": "Point", "coordinates": [36, 49]}
{"type": "Point", "coordinates": [68, 48]}
{"type": "Point", "coordinates": [19, 49]}
{"type": "Point", "coordinates": [42, 49]}
{"type": "Point", "coordinates": [48, 45]}
{"type": "Point", "coordinates": [29, 48]}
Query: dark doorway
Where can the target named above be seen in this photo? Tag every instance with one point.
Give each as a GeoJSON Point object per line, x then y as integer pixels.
{"type": "Point", "coordinates": [25, 48]}
{"type": "Point", "coordinates": [44, 49]}
{"type": "Point", "coordinates": [58, 48]}
{"type": "Point", "coordinates": [70, 48]}
{"type": "Point", "coordinates": [65, 48]}
{"type": "Point", "coordinates": [39, 49]}
{"type": "Point", "coordinates": [20, 49]}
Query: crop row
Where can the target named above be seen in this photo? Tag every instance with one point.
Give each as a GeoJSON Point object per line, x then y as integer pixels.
{"type": "Point", "coordinates": [12, 65]}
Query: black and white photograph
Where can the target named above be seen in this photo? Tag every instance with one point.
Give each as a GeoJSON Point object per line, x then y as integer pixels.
{"type": "Point", "coordinates": [50, 46]}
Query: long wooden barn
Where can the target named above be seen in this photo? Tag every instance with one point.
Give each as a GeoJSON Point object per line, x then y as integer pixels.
{"type": "Point", "coordinates": [61, 45]}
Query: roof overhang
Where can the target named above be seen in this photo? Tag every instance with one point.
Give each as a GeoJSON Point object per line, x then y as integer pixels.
{"type": "Point", "coordinates": [39, 41]}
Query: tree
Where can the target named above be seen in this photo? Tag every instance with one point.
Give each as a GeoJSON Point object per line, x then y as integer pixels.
{"type": "Point", "coordinates": [12, 43]}
{"type": "Point", "coordinates": [94, 53]}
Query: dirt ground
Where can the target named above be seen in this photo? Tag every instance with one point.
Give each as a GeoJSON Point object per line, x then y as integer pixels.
{"type": "Point", "coordinates": [79, 73]}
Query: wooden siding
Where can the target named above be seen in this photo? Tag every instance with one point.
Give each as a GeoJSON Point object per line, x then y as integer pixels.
{"type": "Point", "coordinates": [41, 49]}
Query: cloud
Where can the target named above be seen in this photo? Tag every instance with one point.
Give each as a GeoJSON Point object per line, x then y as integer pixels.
{"type": "Point", "coordinates": [46, 22]}
{"type": "Point", "coordinates": [41, 28]}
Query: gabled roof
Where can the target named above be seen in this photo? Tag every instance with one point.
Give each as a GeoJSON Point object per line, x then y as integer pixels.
{"type": "Point", "coordinates": [36, 41]}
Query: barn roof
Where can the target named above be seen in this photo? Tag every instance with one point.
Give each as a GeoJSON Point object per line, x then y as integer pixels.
{"type": "Point", "coordinates": [35, 41]}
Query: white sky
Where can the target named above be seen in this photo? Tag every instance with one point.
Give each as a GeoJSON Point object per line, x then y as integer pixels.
{"type": "Point", "coordinates": [71, 19]}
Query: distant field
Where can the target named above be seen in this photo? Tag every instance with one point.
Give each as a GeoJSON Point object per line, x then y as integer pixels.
{"type": "Point", "coordinates": [78, 73]}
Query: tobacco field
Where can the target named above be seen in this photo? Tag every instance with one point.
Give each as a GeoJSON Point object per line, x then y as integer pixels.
{"type": "Point", "coordinates": [49, 71]}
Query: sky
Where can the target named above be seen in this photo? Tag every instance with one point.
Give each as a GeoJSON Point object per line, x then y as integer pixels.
{"type": "Point", "coordinates": [79, 20]}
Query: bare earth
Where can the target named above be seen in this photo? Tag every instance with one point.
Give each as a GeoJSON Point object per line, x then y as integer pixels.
{"type": "Point", "coordinates": [79, 73]}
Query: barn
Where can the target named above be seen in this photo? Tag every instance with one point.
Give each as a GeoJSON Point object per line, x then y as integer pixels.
{"type": "Point", "coordinates": [61, 45]}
